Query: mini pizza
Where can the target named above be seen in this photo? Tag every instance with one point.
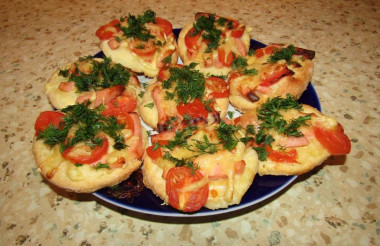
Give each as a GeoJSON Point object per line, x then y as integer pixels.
{"type": "Point", "coordinates": [145, 43]}
{"type": "Point", "coordinates": [199, 166]}
{"type": "Point", "coordinates": [81, 149]}
{"type": "Point", "coordinates": [181, 93]}
{"type": "Point", "coordinates": [93, 79]}
{"type": "Point", "coordinates": [276, 70]}
{"type": "Point", "coordinates": [213, 42]}
{"type": "Point", "coordinates": [292, 138]}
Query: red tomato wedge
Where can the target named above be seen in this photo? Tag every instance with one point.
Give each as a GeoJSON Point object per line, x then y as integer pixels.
{"type": "Point", "coordinates": [195, 109]}
{"type": "Point", "coordinates": [238, 32]}
{"type": "Point", "coordinates": [165, 24]}
{"type": "Point", "coordinates": [218, 87]}
{"type": "Point", "coordinates": [47, 118]}
{"type": "Point", "coordinates": [274, 73]}
{"type": "Point", "coordinates": [177, 179]}
{"type": "Point", "coordinates": [143, 48]}
{"type": "Point", "coordinates": [154, 153]}
{"type": "Point", "coordinates": [121, 104]}
{"type": "Point", "coordinates": [192, 40]}
{"type": "Point", "coordinates": [334, 140]}
{"type": "Point", "coordinates": [107, 31]}
{"type": "Point", "coordinates": [91, 154]}
{"type": "Point", "coordinates": [268, 50]}
{"type": "Point", "coordinates": [225, 59]}
{"type": "Point", "coordinates": [282, 156]}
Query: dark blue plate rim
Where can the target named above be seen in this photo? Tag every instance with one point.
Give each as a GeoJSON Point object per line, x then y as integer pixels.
{"type": "Point", "coordinates": [262, 188]}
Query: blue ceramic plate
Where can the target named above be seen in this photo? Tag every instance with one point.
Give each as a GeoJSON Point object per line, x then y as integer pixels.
{"type": "Point", "coordinates": [133, 195]}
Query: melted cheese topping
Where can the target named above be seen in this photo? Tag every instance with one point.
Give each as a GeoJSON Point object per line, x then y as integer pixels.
{"type": "Point", "coordinates": [141, 64]}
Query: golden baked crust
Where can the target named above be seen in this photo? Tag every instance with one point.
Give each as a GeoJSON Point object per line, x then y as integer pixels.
{"type": "Point", "coordinates": [83, 178]}
{"type": "Point", "coordinates": [248, 91]}
{"type": "Point", "coordinates": [227, 186]}
{"type": "Point", "coordinates": [208, 62]}
{"type": "Point", "coordinates": [62, 92]}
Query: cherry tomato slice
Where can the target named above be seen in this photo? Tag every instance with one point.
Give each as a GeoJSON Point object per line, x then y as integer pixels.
{"type": "Point", "coordinates": [107, 31]}
{"type": "Point", "coordinates": [282, 156]}
{"type": "Point", "coordinates": [47, 118]}
{"type": "Point", "coordinates": [192, 40]}
{"type": "Point", "coordinates": [195, 109]}
{"type": "Point", "coordinates": [121, 104]}
{"type": "Point", "coordinates": [165, 24]}
{"type": "Point", "coordinates": [274, 73]}
{"type": "Point", "coordinates": [143, 48]}
{"type": "Point", "coordinates": [218, 87]}
{"type": "Point", "coordinates": [334, 140]}
{"type": "Point", "coordinates": [154, 153]}
{"type": "Point", "coordinates": [177, 179]}
{"type": "Point", "coordinates": [94, 154]}
{"type": "Point", "coordinates": [226, 60]}
{"type": "Point", "coordinates": [238, 33]}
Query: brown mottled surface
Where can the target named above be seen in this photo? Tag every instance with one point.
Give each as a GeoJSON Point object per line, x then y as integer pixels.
{"type": "Point", "coordinates": [337, 204]}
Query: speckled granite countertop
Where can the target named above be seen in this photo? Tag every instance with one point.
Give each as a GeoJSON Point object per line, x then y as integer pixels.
{"type": "Point", "coordinates": [337, 203]}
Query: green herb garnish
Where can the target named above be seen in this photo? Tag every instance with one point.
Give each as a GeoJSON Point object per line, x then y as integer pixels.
{"type": "Point", "coordinates": [210, 32]}
{"type": "Point", "coordinates": [88, 123]}
{"type": "Point", "coordinates": [136, 28]}
{"type": "Point", "coordinates": [189, 84]}
{"type": "Point", "coordinates": [149, 105]}
{"type": "Point", "coordinates": [226, 133]}
{"type": "Point", "coordinates": [101, 165]}
{"type": "Point", "coordinates": [283, 54]}
{"type": "Point", "coordinates": [240, 63]}
{"type": "Point", "coordinates": [101, 75]}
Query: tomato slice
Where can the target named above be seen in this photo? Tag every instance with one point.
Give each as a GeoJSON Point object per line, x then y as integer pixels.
{"type": "Point", "coordinates": [143, 48]}
{"type": "Point", "coordinates": [274, 73]}
{"type": "Point", "coordinates": [92, 154]}
{"type": "Point", "coordinates": [282, 156]}
{"type": "Point", "coordinates": [177, 179]}
{"type": "Point", "coordinates": [192, 40]}
{"type": "Point", "coordinates": [334, 140]}
{"type": "Point", "coordinates": [121, 104]}
{"type": "Point", "coordinates": [47, 118]}
{"type": "Point", "coordinates": [165, 24]}
{"type": "Point", "coordinates": [226, 60]}
{"type": "Point", "coordinates": [107, 31]}
{"type": "Point", "coordinates": [218, 87]}
{"type": "Point", "coordinates": [238, 32]}
{"type": "Point", "coordinates": [195, 109]}
{"type": "Point", "coordinates": [154, 153]}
